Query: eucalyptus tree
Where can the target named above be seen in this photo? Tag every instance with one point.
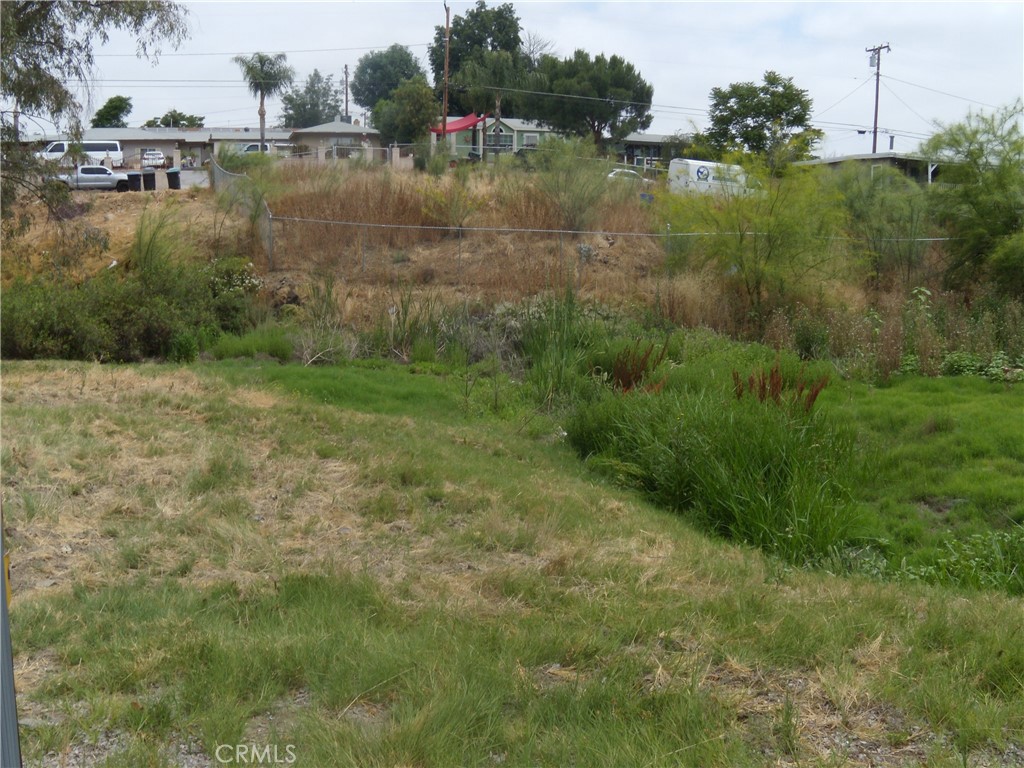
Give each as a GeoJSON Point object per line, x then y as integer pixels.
{"type": "Point", "coordinates": [267, 75]}
{"type": "Point", "coordinates": [49, 45]}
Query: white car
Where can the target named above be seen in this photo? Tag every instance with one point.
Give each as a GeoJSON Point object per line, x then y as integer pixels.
{"type": "Point", "coordinates": [93, 177]}
{"type": "Point", "coordinates": [153, 158]}
{"type": "Point", "coordinates": [624, 174]}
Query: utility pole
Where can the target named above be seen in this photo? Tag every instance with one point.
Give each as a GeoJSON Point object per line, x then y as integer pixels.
{"type": "Point", "coordinates": [876, 62]}
{"type": "Point", "coordinates": [346, 90]}
{"type": "Point", "coordinates": [444, 104]}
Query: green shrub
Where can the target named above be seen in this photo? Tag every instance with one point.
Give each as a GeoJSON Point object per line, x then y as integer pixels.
{"type": "Point", "coordinates": [961, 363]}
{"type": "Point", "coordinates": [771, 475]}
{"type": "Point", "coordinates": [993, 560]}
{"type": "Point", "coordinates": [270, 340]}
{"type": "Point", "coordinates": [556, 337]}
{"type": "Point", "coordinates": [184, 347]}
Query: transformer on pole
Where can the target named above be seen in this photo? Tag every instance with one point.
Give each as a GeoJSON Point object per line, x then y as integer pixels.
{"type": "Point", "coordinates": [876, 62]}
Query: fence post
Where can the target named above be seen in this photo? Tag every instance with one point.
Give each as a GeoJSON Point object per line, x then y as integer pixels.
{"type": "Point", "coordinates": [10, 748]}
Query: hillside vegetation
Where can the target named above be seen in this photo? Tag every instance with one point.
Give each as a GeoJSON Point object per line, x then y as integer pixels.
{"type": "Point", "coordinates": [515, 466]}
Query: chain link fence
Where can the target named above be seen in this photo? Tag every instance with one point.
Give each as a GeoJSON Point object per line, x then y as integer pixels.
{"type": "Point", "coordinates": [243, 192]}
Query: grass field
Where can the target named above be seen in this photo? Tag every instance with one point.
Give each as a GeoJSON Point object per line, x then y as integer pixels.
{"type": "Point", "coordinates": [370, 564]}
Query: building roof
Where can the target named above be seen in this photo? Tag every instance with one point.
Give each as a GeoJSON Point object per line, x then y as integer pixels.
{"type": "Point", "coordinates": [646, 138]}
{"type": "Point", "coordinates": [456, 124]}
{"type": "Point", "coordinates": [866, 156]}
{"type": "Point", "coordinates": [184, 135]}
{"type": "Point", "coordinates": [337, 126]}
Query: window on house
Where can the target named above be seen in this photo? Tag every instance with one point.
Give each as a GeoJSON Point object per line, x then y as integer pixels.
{"type": "Point", "coordinates": [531, 139]}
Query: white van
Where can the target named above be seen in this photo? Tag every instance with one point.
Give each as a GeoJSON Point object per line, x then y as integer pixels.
{"type": "Point", "coordinates": [702, 177]}
{"type": "Point", "coordinates": [98, 152]}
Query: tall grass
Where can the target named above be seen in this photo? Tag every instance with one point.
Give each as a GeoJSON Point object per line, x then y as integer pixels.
{"type": "Point", "coordinates": [773, 476]}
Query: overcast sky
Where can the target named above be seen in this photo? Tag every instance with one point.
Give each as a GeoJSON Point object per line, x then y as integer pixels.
{"type": "Point", "coordinates": [946, 57]}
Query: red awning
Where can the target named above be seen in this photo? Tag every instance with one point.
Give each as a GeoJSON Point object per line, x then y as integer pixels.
{"type": "Point", "coordinates": [460, 124]}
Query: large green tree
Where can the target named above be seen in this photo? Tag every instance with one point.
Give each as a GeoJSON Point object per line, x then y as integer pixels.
{"type": "Point", "coordinates": [113, 114]}
{"type": "Point", "coordinates": [602, 98]}
{"type": "Point", "coordinates": [266, 75]}
{"type": "Point", "coordinates": [173, 118]}
{"type": "Point", "coordinates": [379, 73]}
{"type": "Point", "coordinates": [317, 102]}
{"type": "Point", "coordinates": [770, 119]}
{"type": "Point", "coordinates": [480, 29]}
{"type": "Point", "coordinates": [48, 44]}
{"type": "Point", "coordinates": [981, 199]}
{"type": "Point", "coordinates": [407, 115]}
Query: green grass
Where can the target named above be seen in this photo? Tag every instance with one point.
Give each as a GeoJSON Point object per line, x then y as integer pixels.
{"type": "Point", "coordinates": [379, 569]}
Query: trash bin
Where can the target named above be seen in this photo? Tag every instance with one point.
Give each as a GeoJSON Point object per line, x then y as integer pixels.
{"type": "Point", "coordinates": [134, 181]}
{"type": "Point", "coordinates": [174, 178]}
{"type": "Point", "coordinates": [149, 179]}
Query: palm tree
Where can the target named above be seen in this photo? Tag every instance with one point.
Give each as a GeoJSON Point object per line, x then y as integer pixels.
{"type": "Point", "coordinates": [268, 76]}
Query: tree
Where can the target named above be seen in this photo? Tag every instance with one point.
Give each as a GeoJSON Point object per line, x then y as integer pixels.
{"type": "Point", "coordinates": [603, 98]}
{"type": "Point", "coordinates": [47, 45]}
{"type": "Point", "coordinates": [888, 220]}
{"type": "Point", "coordinates": [981, 200]}
{"type": "Point", "coordinates": [267, 75]}
{"type": "Point", "coordinates": [406, 117]}
{"type": "Point", "coordinates": [172, 118]}
{"type": "Point", "coordinates": [379, 73]}
{"type": "Point", "coordinates": [771, 119]}
{"type": "Point", "coordinates": [488, 78]}
{"type": "Point", "coordinates": [480, 29]}
{"type": "Point", "coordinates": [770, 244]}
{"type": "Point", "coordinates": [315, 103]}
{"type": "Point", "coordinates": [113, 114]}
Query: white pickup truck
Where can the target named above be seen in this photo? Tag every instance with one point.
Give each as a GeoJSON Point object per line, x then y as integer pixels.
{"type": "Point", "coordinates": [92, 177]}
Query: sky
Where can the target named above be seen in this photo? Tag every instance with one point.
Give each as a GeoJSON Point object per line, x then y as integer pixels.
{"type": "Point", "coordinates": [945, 58]}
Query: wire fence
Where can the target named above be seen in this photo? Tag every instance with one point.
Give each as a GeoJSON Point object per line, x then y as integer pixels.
{"type": "Point", "coordinates": [374, 247]}
{"type": "Point", "coordinates": [246, 194]}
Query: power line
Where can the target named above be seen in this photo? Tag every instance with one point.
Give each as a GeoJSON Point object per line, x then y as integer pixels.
{"type": "Point", "coordinates": [249, 53]}
{"type": "Point", "coordinates": [943, 93]}
{"type": "Point", "coordinates": [901, 101]}
{"type": "Point", "coordinates": [864, 82]}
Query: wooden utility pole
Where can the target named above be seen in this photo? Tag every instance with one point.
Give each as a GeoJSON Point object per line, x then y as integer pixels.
{"type": "Point", "coordinates": [444, 101]}
{"type": "Point", "coordinates": [876, 62]}
{"type": "Point", "coordinates": [346, 90]}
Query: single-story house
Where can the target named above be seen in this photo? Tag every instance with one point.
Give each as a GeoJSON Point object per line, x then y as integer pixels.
{"type": "Point", "coordinates": [474, 133]}
{"type": "Point", "coordinates": [337, 139]}
{"type": "Point", "coordinates": [920, 169]}
{"type": "Point", "coordinates": [646, 149]}
{"type": "Point", "coordinates": [180, 145]}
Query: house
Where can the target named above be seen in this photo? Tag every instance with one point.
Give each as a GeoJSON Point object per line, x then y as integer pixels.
{"type": "Point", "coordinates": [474, 134]}
{"type": "Point", "coordinates": [338, 139]}
{"type": "Point", "coordinates": [920, 169]}
{"type": "Point", "coordinates": [646, 149]}
{"type": "Point", "coordinates": [181, 146]}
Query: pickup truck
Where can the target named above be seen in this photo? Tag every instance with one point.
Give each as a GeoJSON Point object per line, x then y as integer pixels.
{"type": "Point", "coordinates": [92, 177]}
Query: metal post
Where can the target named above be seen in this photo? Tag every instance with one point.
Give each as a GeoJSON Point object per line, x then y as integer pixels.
{"type": "Point", "coordinates": [10, 748]}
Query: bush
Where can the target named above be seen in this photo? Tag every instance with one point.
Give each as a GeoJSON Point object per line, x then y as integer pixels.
{"type": "Point", "coordinates": [772, 475]}
{"type": "Point", "coordinates": [158, 306]}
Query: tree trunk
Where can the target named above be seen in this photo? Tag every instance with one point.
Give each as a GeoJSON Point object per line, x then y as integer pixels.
{"type": "Point", "coordinates": [263, 121]}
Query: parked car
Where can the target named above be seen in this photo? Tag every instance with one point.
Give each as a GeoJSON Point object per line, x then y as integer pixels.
{"type": "Point", "coordinates": [624, 174]}
{"type": "Point", "coordinates": [92, 177]}
{"type": "Point", "coordinates": [153, 158]}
